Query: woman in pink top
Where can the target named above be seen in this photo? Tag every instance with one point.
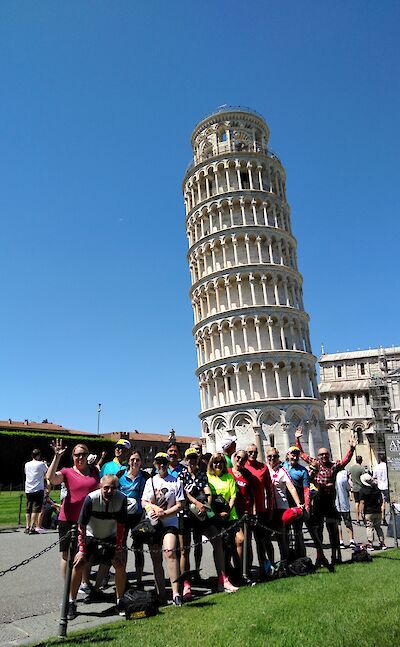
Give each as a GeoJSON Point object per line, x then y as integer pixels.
{"type": "Point", "coordinates": [79, 480]}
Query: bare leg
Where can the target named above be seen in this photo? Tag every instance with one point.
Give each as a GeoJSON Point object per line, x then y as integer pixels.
{"type": "Point", "coordinates": [169, 546]}
{"type": "Point", "coordinates": [120, 577]}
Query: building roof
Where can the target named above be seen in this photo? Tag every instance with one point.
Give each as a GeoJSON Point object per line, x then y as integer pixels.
{"type": "Point", "coordinates": [344, 386]}
{"type": "Point", "coordinates": [31, 425]}
{"type": "Point", "coordinates": [359, 354]}
{"type": "Point", "coordinates": [155, 438]}
{"type": "Point", "coordinates": [50, 427]}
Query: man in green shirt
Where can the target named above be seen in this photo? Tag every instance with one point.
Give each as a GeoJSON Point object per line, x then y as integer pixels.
{"type": "Point", "coordinates": [356, 471]}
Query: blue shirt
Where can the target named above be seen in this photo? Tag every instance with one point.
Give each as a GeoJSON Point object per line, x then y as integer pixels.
{"type": "Point", "coordinates": [112, 467]}
{"type": "Point", "coordinates": [175, 471]}
{"type": "Point", "coordinates": [133, 488]}
{"type": "Point", "coordinates": [300, 477]}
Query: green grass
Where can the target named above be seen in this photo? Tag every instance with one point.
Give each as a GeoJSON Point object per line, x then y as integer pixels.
{"type": "Point", "coordinates": [9, 506]}
{"type": "Point", "coordinates": [358, 605]}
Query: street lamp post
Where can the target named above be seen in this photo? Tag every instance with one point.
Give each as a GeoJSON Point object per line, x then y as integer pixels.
{"type": "Point", "coordinates": [98, 417]}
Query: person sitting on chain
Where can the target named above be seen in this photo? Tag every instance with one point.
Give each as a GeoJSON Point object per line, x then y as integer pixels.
{"type": "Point", "coordinates": [324, 501]}
{"type": "Point", "coordinates": [101, 535]}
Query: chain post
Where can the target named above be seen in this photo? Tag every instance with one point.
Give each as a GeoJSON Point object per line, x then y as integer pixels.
{"type": "Point", "coordinates": [394, 515]}
{"type": "Point", "coordinates": [62, 628]}
{"type": "Point", "coordinates": [246, 547]}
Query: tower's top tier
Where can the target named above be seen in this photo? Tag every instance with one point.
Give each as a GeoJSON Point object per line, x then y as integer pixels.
{"type": "Point", "coordinates": [230, 129]}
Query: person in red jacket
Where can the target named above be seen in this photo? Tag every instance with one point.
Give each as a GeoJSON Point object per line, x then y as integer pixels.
{"type": "Point", "coordinates": [324, 509]}
{"type": "Point", "coordinates": [264, 504]}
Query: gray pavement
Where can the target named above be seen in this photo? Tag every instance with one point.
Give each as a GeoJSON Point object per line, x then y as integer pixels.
{"type": "Point", "coordinates": [31, 595]}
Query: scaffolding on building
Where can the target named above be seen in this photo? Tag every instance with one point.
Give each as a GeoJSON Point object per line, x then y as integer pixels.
{"type": "Point", "coordinates": [381, 407]}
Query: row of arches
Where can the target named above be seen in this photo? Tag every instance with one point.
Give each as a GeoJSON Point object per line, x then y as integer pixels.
{"type": "Point", "coordinates": [237, 382]}
{"type": "Point", "coordinates": [229, 175]}
{"type": "Point", "coordinates": [250, 334]}
{"type": "Point", "coordinates": [237, 249]}
{"type": "Point", "coordinates": [231, 212]}
{"type": "Point", "coordinates": [243, 290]}
{"type": "Point", "coordinates": [230, 136]}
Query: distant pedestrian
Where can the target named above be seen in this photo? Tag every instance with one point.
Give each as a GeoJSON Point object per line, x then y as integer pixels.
{"type": "Point", "coordinates": [371, 505]}
{"type": "Point", "coordinates": [35, 471]}
{"type": "Point", "coordinates": [381, 475]}
{"type": "Point", "coordinates": [356, 471]}
{"type": "Point", "coordinates": [343, 507]}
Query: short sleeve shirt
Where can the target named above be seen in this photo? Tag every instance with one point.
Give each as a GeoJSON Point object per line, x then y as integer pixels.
{"type": "Point", "coordinates": [169, 490]}
{"type": "Point", "coordinates": [225, 486]}
{"type": "Point", "coordinates": [193, 484]}
{"type": "Point", "coordinates": [112, 467]}
{"type": "Point", "coordinates": [280, 478]}
{"type": "Point", "coordinates": [34, 473]}
{"type": "Point", "coordinates": [133, 488]}
{"type": "Point", "coordinates": [78, 487]}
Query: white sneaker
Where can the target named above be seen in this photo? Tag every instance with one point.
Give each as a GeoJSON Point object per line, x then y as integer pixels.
{"type": "Point", "coordinates": [84, 588]}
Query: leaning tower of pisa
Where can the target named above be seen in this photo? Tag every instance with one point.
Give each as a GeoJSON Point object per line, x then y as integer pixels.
{"type": "Point", "coordinates": [256, 370]}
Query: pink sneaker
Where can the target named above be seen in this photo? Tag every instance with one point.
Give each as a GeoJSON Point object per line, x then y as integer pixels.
{"type": "Point", "coordinates": [187, 592]}
{"type": "Point", "coordinates": [228, 587]}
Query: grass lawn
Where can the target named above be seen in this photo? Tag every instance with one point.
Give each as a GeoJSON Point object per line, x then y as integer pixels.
{"type": "Point", "coordinates": [9, 506]}
{"type": "Point", "coordinates": [358, 605]}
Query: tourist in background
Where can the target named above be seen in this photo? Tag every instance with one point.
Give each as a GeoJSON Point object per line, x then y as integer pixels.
{"type": "Point", "coordinates": [380, 473]}
{"type": "Point", "coordinates": [371, 510]}
{"type": "Point", "coordinates": [342, 503]}
{"type": "Point", "coordinates": [35, 471]}
{"type": "Point", "coordinates": [356, 471]}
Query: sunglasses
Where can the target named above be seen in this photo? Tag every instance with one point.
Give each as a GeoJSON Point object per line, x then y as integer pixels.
{"type": "Point", "coordinates": [324, 454]}
{"type": "Point", "coordinates": [109, 487]}
{"type": "Point", "coordinates": [218, 462]}
{"type": "Point", "coordinates": [273, 456]}
{"type": "Point", "coordinates": [253, 453]}
{"type": "Point", "coordinates": [240, 459]}
{"type": "Point", "coordinates": [80, 455]}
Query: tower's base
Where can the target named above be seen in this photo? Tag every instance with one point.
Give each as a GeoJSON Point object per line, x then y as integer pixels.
{"type": "Point", "coordinates": [269, 424]}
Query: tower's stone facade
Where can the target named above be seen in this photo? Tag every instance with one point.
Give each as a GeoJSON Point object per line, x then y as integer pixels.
{"type": "Point", "coordinates": [256, 370]}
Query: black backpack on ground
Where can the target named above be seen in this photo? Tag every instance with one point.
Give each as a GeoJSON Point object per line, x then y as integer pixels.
{"type": "Point", "coordinates": [301, 566]}
{"type": "Point", "coordinates": [140, 604]}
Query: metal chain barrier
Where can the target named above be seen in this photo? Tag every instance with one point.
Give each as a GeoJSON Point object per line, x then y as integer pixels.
{"type": "Point", "coordinates": [30, 559]}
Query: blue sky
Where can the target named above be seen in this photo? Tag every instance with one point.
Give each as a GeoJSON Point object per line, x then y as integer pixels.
{"type": "Point", "coordinates": [98, 104]}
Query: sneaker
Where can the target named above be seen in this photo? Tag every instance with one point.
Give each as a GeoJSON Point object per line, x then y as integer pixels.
{"type": "Point", "coordinates": [187, 592]}
{"type": "Point", "coordinates": [26, 531]}
{"type": "Point", "coordinates": [72, 612]}
{"type": "Point", "coordinates": [120, 607]}
{"type": "Point", "coordinates": [33, 531]}
{"type": "Point", "coordinates": [342, 544]}
{"type": "Point", "coordinates": [177, 600]}
{"type": "Point", "coordinates": [353, 544]}
{"type": "Point", "coordinates": [84, 588]}
{"type": "Point", "coordinates": [228, 587]}
{"type": "Point", "coordinates": [383, 547]}
{"type": "Point", "coordinates": [370, 548]}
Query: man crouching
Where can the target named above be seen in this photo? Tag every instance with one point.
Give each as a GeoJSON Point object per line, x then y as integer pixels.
{"type": "Point", "coordinates": [101, 533]}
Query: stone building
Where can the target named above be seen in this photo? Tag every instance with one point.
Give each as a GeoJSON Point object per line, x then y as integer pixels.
{"type": "Point", "coordinates": [256, 370]}
{"type": "Point", "coordinates": [347, 388]}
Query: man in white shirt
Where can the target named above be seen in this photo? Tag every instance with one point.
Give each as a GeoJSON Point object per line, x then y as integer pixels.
{"type": "Point", "coordinates": [35, 471]}
{"type": "Point", "coordinates": [381, 475]}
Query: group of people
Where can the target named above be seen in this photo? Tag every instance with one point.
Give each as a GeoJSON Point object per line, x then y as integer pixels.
{"type": "Point", "coordinates": [210, 496]}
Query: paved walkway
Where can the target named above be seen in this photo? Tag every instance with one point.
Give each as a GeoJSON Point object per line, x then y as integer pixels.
{"type": "Point", "coordinates": [31, 595]}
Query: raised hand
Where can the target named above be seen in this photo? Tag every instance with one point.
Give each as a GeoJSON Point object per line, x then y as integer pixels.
{"type": "Point", "coordinates": [58, 448]}
{"type": "Point", "coordinates": [299, 432]}
{"type": "Point", "coordinates": [353, 441]}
